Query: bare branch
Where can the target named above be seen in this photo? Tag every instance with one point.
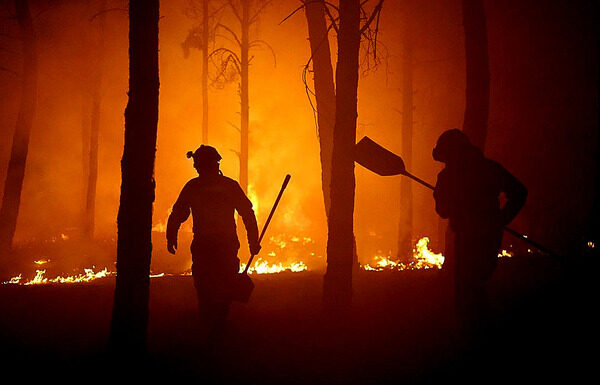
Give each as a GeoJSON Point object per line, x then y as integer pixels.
{"type": "Point", "coordinates": [234, 126]}
{"type": "Point", "coordinates": [332, 6]}
{"type": "Point", "coordinates": [219, 25]}
{"type": "Point", "coordinates": [227, 62]}
{"type": "Point", "coordinates": [294, 12]}
{"type": "Point", "coordinates": [304, 4]}
{"type": "Point", "coordinates": [225, 50]}
{"type": "Point", "coordinates": [216, 11]}
{"type": "Point", "coordinates": [375, 12]}
{"type": "Point", "coordinates": [253, 18]}
{"type": "Point", "coordinates": [376, 33]}
{"type": "Point", "coordinates": [235, 11]}
{"type": "Point", "coordinates": [332, 20]}
{"type": "Point", "coordinates": [256, 43]}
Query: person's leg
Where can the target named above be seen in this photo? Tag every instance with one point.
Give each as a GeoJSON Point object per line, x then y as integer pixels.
{"type": "Point", "coordinates": [470, 297]}
{"type": "Point", "coordinates": [475, 262]}
{"type": "Point", "coordinates": [205, 308]}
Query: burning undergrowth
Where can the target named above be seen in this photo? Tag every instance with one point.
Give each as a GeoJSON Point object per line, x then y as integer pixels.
{"type": "Point", "coordinates": [422, 258]}
{"type": "Point", "coordinates": [63, 260]}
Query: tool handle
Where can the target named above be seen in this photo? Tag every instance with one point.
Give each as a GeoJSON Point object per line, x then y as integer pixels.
{"type": "Point", "coordinates": [534, 244]}
{"type": "Point", "coordinates": [419, 180]}
{"type": "Point", "coordinates": [264, 230]}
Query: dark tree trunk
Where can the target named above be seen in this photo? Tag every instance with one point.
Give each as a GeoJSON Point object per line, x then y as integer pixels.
{"type": "Point", "coordinates": [96, 96]}
{"type": "Point", "coordinates": [337, 288]}
{"type": "Point", "coordinates": [324, 90]}
{"type": "Point", "coordinates": [478, 75]}
{"type": "Point", "coordinates": [205, 72]}
{"type": "Point", "coordinates": [85, 154]}
{"type": "Point", "coordinates": [245, 106]}
{"type": "Point", "coordinates": [406, 195]}
{"type": "Point", "coordinates": [20, 145]}
{"type": "Point", "coordinates": [85, 115]}
{"type": "Point", "coordinates": [134, 221]}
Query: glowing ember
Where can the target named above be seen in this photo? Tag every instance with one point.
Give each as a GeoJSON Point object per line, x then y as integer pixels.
{"type": "Point", "coordinates": [41, 261]}
{"type": "Point", "coordinates": [277, 241]}
{"type": "Point", "coordinates": [503, 253]}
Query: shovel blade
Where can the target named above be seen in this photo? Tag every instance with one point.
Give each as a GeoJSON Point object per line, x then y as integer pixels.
{"type": "Point", "coordinates": [373, 157]}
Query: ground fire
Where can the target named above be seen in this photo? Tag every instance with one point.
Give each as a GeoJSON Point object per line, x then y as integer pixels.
{"type": "Point", "coordinates": [422, 258]}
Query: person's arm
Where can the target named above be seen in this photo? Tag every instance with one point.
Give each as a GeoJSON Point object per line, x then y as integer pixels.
{"type": "Point", "coordinates": [179, 214]}
{"type": "Point", "coordinates": [516, 195]}
{"type": "Point", "coordinates": [244, 208]}
{"type": "Point", "coordinates": [441, 194]}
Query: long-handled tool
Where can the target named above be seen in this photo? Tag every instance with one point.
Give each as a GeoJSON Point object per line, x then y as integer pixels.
{"type": "Point", "coordinates": [243, 286]}
{"type": "Point", "coordinates": [383, 162]}
{"type": "Point", "coordinates": [264, 230]}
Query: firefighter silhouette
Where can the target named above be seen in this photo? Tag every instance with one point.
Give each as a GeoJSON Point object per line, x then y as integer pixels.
{"type": "Point", "coordinates": [467, 192]}
{"type": "Point", "coordinates": [212, 200]}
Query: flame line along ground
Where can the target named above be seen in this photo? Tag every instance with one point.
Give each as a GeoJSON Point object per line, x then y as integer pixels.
{"type": "Point", "coordinates": [423, 258]}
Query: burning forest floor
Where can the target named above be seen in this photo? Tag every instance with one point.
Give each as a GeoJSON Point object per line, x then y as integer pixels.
{"type": "Point", "coordinates": [399, 331]}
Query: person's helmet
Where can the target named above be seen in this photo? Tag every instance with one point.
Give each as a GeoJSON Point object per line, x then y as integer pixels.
{"type": "Point", "coordinates": [204, 155]}
{"type": "Point", "coordinates": [450, 144]}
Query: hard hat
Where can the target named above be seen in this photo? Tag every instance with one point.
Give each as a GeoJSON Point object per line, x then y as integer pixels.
{"type": "Point", "coordinates": [450, 143]}
{"type": "Point", "coordinates": [205, 154]}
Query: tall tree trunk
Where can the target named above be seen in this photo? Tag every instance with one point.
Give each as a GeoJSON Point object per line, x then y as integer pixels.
{"type": "Point", "coordinates": [85, 153]}
{"type": "Point", "coordinates": [324, 90]}
{"type": "Point", "coordinates": [20, 145]}
{"type": "Point", "coordinates": [96, 88]}
{"type": "Point", "coordinates": [478, 74]}
{"type": "Point", "coordinates": [245, 107]}
{"type": "Point", "coordinates": [85, 114]}
{"type": "Point", "coordinates": [337, 285]}
{"type": "Point", "coordinates": [134, 222]}
{"type": "Point", "coordinates": [205, 72]}
{"type": "Point", "coordinates": [406, 195]}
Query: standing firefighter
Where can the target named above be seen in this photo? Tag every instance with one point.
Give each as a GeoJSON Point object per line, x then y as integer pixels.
{"type": "Point", "coordinates": [467, 192]}
{"type": "Point", "coordinates": [212, 199]}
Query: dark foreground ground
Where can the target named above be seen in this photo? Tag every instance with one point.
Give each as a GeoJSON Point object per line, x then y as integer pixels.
{"type": "Point", "coordinates": [400, 331]}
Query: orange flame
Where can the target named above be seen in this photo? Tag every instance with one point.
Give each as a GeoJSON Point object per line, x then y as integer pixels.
{"type": "Point", "coordinates": [423, 258]}
{"type": "Point", "coordinates": [39, 279]}
{"type": "Point", "coordinates": [263, 267]}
